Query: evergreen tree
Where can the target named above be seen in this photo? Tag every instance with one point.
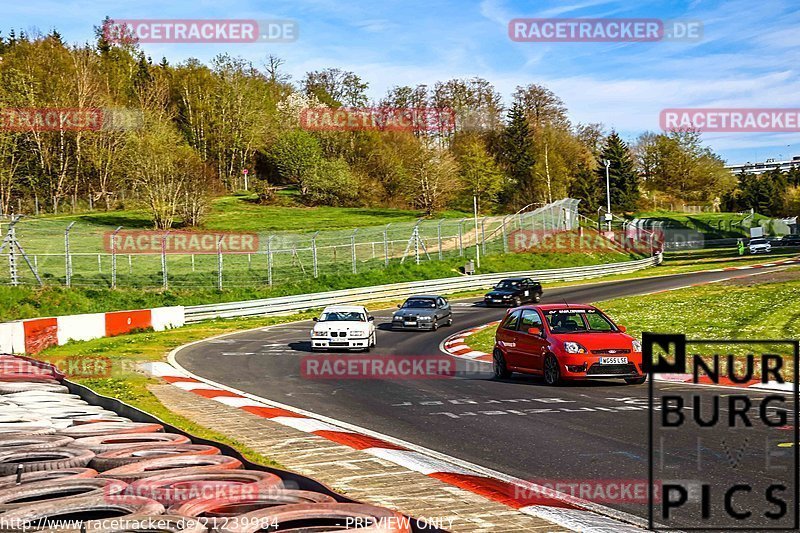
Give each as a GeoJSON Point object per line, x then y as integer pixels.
{"type": "Point", "coordinates": [517, 156]}
{"type": "Point", "coordinates": [586, 187]}
{"type": "Point", "coordinates": [623, 178]}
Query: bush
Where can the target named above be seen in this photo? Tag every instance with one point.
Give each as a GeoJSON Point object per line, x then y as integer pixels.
{"type": "Point", "coordinates": [332, 183]}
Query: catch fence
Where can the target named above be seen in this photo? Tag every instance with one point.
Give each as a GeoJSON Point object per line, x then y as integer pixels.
{"type": "Point", "coordinates": [81, 253]}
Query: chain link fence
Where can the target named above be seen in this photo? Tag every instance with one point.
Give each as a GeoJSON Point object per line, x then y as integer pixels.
{"type": "Point", "coordinates": [82, 254]}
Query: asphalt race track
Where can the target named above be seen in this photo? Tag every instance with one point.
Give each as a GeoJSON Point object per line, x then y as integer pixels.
{"type": "Point", "coordinates": [595, 430]}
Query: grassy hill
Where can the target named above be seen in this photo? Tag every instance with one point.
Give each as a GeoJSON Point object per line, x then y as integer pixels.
{"type": "Point", "coordinates": [712, 225]}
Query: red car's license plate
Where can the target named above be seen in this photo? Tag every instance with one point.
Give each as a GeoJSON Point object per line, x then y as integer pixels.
{"type": "Point", "coordinates": [613, 360]}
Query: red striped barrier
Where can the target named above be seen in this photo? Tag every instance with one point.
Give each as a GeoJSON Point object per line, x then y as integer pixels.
{"type": "Point", "coordinates": [33, 335]}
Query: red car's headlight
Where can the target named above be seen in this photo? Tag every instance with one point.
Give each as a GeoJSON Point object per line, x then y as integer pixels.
{"type": "Point", "coordinates": [637, 346]}
{"type": "Point", "coordinates": [574, 347]}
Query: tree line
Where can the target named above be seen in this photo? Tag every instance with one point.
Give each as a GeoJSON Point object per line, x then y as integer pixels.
{"type": "Point", "coordinates": [202, 125]}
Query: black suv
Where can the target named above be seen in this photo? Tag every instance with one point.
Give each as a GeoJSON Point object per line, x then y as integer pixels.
{"type": "Point", "coordinates": [514, 292]}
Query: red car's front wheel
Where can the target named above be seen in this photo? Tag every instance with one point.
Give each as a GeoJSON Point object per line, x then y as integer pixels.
{"type": "Point", "coordinates": [552, 373]}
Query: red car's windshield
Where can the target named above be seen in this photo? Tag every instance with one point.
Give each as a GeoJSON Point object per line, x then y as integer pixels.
{"type": "Point", "coordinates": [578, 320]}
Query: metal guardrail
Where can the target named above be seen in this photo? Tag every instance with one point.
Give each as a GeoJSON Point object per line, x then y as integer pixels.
{"type": "Point", "coordinates": [302, 302]}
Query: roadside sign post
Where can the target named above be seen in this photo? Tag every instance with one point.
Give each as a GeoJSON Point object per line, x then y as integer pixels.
{"type": "Point", "coordinates": [245, 172]}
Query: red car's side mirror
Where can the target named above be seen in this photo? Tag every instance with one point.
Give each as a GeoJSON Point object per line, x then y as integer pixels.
{"type": "Point", "coordinates": [622, 329]}
{"type": "Point", "coordinates": [535, 331]}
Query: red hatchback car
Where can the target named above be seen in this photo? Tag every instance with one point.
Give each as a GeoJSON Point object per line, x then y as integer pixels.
{"type": "Point", "coordinates": [565, 342]}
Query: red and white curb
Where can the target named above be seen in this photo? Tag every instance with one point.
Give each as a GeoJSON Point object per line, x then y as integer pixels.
{"type": "Point", "coordinates": [560, 508]}
{"type": "Point", "coordinates": [456, 345]}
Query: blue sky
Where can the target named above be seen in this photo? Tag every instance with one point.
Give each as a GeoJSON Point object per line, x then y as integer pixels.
{"type": "Point", "coordinates": [747, 57]}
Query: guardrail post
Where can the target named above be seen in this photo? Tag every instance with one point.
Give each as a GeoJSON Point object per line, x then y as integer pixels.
{"type": "Point", "coordinates": [386, 244]}
{"type": "Point", "coordinates": [219, 262]}
{"type": "Point", "coordinates": [164, 260]}
{"type": "Point", "coordinates": [269, 260]}
{"type": "Point", "coordinates": [114, 257]}
{"type": "Point", "coordinates": [439, 237]}
{"type": "Point", "coordinates": [67, 256]}
{"type": "Point", "coordinates": [314, 253]}
{"type": "Point", "coordinates": [353, 250]}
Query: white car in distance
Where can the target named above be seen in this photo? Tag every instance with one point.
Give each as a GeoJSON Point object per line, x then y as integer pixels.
{"type": "Point", "coordinates": [759, 246]}
{"type": "Point", "coordinates": [348, 327]}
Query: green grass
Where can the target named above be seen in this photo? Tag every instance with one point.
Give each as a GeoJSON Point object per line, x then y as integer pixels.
{"type": "Point", "coordinates": [243, 212]}
{"type": "Point", "coordinates": [28, 302]}
{"type": "Point", "coordinates": [712, 225]}
{"type": "Point", "coordinates": [483, 340]}
{"type": "Point", "coordinates": [745, 309]}
{"type": "Point", "coordinates": [758, 308]}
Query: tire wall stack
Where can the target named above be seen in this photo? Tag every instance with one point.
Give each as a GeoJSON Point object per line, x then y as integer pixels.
{"type": "Point", "coordinates": [73, 461]}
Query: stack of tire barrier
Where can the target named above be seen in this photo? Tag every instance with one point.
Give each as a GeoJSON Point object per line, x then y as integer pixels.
{"type": "Point", "coordinates": [69, 466]}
